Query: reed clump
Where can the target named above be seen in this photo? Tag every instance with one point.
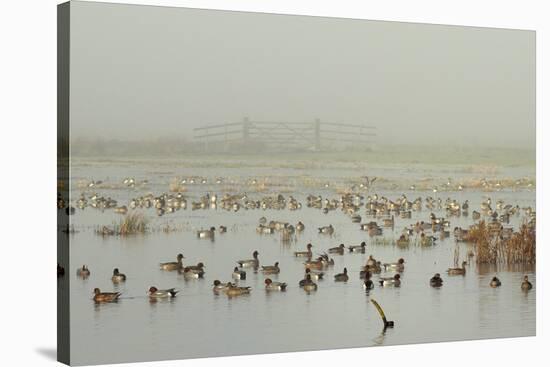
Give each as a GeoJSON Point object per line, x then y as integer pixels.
{"type": "Point", "coordinates": [492, 246]}
{"type": "Point", "coordinates": [132, 223]}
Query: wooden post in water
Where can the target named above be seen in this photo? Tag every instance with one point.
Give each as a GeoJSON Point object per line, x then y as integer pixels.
{"type": "Point", "coordinates": [387, 323]}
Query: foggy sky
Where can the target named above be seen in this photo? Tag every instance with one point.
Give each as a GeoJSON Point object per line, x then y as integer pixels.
{"type": "Point", "coordinates": [144, 72]}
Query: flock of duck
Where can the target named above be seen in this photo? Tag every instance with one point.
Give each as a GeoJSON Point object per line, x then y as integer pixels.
{"type": "Point", "coordinates": [376, 207]}
{"type": "Point", "coordinates": [313, 273]}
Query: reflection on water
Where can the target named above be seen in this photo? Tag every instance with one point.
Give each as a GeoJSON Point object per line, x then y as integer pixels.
{"type": "Point", "coordinates": [198, 322]}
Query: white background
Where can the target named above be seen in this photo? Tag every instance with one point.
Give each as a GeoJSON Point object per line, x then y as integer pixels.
{"type": "Point", "coordinates": [28, 178]}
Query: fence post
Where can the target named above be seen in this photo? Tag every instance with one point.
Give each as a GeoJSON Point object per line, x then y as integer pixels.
{"type": "Point", "coordinates": [317, 132]}
{"type": "Point", "coordinates": [246, 130]}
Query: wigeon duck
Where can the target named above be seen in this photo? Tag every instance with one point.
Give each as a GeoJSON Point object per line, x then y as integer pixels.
{"type": "Point", "coordinates": [173, 265]}
{"type": "Point", "coordinates": [436, 281]}
{"type": "Point", "coordinates": [199, 267]}
{"type": "Point", "coordinates": [232, 290]}
{"type": "Point", "coordinates": [314, 264]}
{"type": "Point", "coordinates": [207, 233]}
{"type": "Point", "coordinates": [368, 284]}
{"type": "Point", "coordinates": [365, 274]}
{"type": "Point", "coordinates": [394, 281]}
{"type": "Point", "coordinates": [389, 222]}
{"type": "Point", "coordinates": [219, 286]}
{"type": "Point", "coordinates": [358, 248]}
{"type": "Point", "coordinates": [154, 292]}
{"type": "Point", "coordinates": [251, 262]}
{"type": "Point", "coordinates": [313, 275]}
{"type": "Point", "coordinates": [371, 261]}
{"type": "Point", "coordinates": [83, 272]}
{"type": "Point", "coordinates": [337, 250]}
{"type": "Point", "coordinates": [495, 282]}
{"type": "Point", "coordinates": [326, 229]}
{"type": "Point", "coordinates": [117, 276]}
{"type": "Point", "coordinates": [309, 285]}
{"type": "Point", "coordinates": [526, 284]}
{"type": "Point", "coordinates": [104, 297]}
{"type": "Point", "coordinates": [326, 260]}
{"type": "Point", "coordinates": [274, 286]}
{"type": "Point", "coordinates": [397, 266]}
{"type": "Point", "coordinates": [458, 271]}
{"type": "Point", "coordinates": [191, 273]}
{"type": "Point", "coordinates": [342, 277]}
{"type": "Point", "coordinates": [372, 265]}
{"type": "Point", "coordinates": [403, 240]}
{"type": "Point", "coordinates": [307, 253]}
{"type": "Point", "coordinates": [238, 274]}
{"type": "Point", "coordinates": [271, 269]}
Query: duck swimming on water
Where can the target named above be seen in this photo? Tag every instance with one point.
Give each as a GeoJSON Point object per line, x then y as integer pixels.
{"type": "Point", "coordinates": [436, 281]}
{"type": "Point", "coordinates": [254, 262]}
{"type": "Point", "coordinates": [173, 265]}
{"type": "Point", "coordinates": [307, 253]}
{"type": "Point", "coordinates": [337, 250]}
{"type": "Point", "coordinates": [358, 248]}
{"type": "Point", "coordinates": [154, 292]}
{"type": "Point", "coordinates": [104, 297]}
{"type": "Point", "coordinates": [394, 281]}
{"type": "Point", "coordinates": [83, 272]}
{"type": "Point", "coordinates": [398, 266]}
{"type": "Point", "coordinates": [308, 284]}
{"type": "Point", "coordinates": [342, 277]}
{"type": "Point", "coordinates": [495, 282]}
{"type": "Point", "coordinates": [238, 274]}
{"type": "Point", "coordinates": [117, 276]}
{"type": "Point", "coordinates": [526, 284]}
{"type": "Point", "coordinates": [270, 285]}
{"type": "Point", "coordinates": [271, 269]}
{"type": "Point", "coordinates": [458, 271]}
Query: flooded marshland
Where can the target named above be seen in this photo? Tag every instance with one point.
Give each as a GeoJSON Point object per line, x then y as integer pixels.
{"type": "Point", "coordinates": [199, 322]}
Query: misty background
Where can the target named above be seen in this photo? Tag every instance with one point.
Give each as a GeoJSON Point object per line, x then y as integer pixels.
{"type": "Point", "coordinates": [146, 73]}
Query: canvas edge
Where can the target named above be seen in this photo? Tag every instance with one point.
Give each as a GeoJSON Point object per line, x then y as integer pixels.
{"type": "Point", "coordinates": [63, 95]}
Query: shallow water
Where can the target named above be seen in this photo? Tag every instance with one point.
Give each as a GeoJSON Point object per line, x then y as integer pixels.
{"type": "Point", "coordinates": [198, 323]}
